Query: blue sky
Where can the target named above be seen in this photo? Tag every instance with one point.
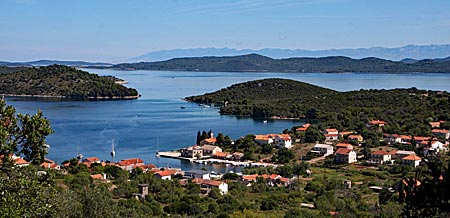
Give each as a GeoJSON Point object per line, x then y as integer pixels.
{"type": "Point", "coordinates": [113, 30]}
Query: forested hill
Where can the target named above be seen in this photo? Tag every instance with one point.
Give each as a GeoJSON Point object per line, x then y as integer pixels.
{"type": "Point", "coordinates": [410, 109]}
{"type": "Point", "coordinates": [258, 63]}
{"type": "Point", "coordinates": [63, 82]}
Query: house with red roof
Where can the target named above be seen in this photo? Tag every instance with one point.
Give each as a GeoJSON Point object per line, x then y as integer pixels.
{"type": "Point", "coordinates": [20, 162]}
{"type": "Point", "coordinates": [380, 157]}
{"type": "Point", "coordinates": [441, 133]}
{"type": "Point", "coordinates": [357, 138]}
{"type": "Point", "coordinates": [279, 140]}
{"type": "Point", "coordinates": [344, 145]}
{"type": "Point", "coordinates": [207, 184]}
{"type": "Point", "coordinates": [130, 164]}
{"type": "Point", "coordinates": [303, 128]}
{"type": "Point", "coordinates": [412, 160]}
{"type": "Point", "coordinates": [166, 174]}
{"type": "Point", "coordinates": [345, 156]}
{"type": "Point", "coordinates": [331, 134]}
{"type": "Point", "coordinates": [222, 155]}
{"type": "Point", "coordinates": [54, 166]}
{"type": "Point", "coordinates": [378, 123]}
{"type": "Point", "coordinates": [208, 141]}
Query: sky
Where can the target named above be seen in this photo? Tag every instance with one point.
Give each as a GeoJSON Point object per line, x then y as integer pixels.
{"type": "Point", "coordinates": [115, 30]}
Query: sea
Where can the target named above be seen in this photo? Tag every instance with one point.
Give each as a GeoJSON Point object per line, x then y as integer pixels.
{"type": "Point", "coordinates": [162, 121]}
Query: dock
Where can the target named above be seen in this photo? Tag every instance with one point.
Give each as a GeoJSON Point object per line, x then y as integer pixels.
{"type": "Point", "coordinates": [177, 155]}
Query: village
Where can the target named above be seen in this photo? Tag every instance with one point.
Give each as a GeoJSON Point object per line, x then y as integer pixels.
{"type": "Point", "coordinates": [341, 148]}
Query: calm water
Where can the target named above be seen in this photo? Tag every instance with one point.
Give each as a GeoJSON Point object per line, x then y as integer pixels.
{"type": "Point", "coordinates": [134, 125]}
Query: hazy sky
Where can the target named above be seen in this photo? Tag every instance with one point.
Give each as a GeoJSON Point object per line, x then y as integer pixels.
{"type": "Point", "coordinates": [114, 30]}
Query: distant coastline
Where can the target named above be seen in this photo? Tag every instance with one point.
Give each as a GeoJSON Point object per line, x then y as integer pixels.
{"type": "Point", "coordinates": [258, 63]}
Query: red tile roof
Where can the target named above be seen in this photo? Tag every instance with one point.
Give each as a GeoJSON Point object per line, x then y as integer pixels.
{"type": "Point", "coordinates": [331, 130]}
{"type": "Point", "coordinates": [354, 136]}
{"type": "Point", "coordinates": [210, 140]}
{"type": "Point", "coordinates": [221, 154]}
{"type": "Point", "coordinates": [131, 161]}
{"type": "Point", "coordinates": [301, 129]}
{"type": "Point", "coordinates": [435, 124]}
{"type": "Point", "coordinates": [49, 165]}
{"type": "Point", "coordinates": [306, 125]}
{"type": "Point", "coordinates": [377, 122]}
{"type": "Point", "coordinates": [343, 151]}
{"type": "Point", "coordinates": [166, 172]}
{"type": "Point", "coordinates": [443, 131]}
{"type": "Point", "coordinates": [381, 152]}
{"type": "Point", "coordinates": [97, 176]}
{"type": "Point", "coordinates": [207, 182]}
{"type": "Point", "coordinates": [20, 161]}
{"type": "Point", "coordinates": [412, 157]}
{"type": "Point", "coordinates": [92, 159]}
{"type": "Point", "coordinates": [344, 145]}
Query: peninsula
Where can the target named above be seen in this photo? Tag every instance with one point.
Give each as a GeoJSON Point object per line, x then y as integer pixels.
{"type": "Point", "coordinates": [283, 98]}
{"type": "Point", "coordinates": [58, 81]}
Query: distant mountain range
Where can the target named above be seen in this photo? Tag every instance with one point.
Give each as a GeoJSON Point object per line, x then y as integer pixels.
{"type": "Point", "coordinates": [416, 52]}
{"type": "Point", "coordinates": [52, 62]}
{"type": "Point", "coordinates": [259, 63]}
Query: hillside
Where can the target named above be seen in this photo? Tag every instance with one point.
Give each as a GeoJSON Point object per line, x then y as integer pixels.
{"type": "Point", "coordinates": [61, 81]}
{"type": "Point", "coordinates": [259, 63]}
{"type": "Point", "coordinates": [281, 98]}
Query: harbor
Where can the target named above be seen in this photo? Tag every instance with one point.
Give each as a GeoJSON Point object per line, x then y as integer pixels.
{"type": "Point", "coordinates": [205, 160]}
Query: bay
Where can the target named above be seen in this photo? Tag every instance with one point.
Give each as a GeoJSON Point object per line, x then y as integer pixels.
{"type": "Point", "coordinates": [134, 125]}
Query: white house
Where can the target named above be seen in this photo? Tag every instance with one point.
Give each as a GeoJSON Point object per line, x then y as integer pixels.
{"type": "Point", "coordinates": [412, 160]}
{"type": "Point", "coordinates": [331, 134]}
{"type": "Point", "coordinates": [165, 174]}
{"type": "Point", "coordinates": [344, 155]}
{"type": "Point", "coordinates": [323, 149]}
{"type": "Point", "coordinates": [283, 141]}
{"type": "Point", "coordinates": [380, 157]}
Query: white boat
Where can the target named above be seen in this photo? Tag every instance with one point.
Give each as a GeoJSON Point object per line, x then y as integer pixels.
{"type": "Point", "coordinates": [113, 152]}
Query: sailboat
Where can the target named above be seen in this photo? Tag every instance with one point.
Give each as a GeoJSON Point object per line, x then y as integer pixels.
{"type": "Point", "coordinates": [79, 155]}
{"type": "Point", "coordinates": [157, 145]}
{"type": "Point", "coordinates": [113, 152]}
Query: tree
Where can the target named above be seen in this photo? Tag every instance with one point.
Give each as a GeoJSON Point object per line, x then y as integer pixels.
{"type": "Point", "coordinates": [220, 139]}
{"type": "Point", "coordinates": [9, 132]}
{"type": "Point", "coordinates": [33, 133]}
{"type": "Point", "coordinates": [312, 134]}
{"type": "Point", "coordinates": [23, 132]}
{"type": "Point", "coordinates": [199, 138]}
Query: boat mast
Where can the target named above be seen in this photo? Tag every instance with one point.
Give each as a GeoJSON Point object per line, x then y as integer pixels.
{"type": "Point", "coordinates": [157, 145]}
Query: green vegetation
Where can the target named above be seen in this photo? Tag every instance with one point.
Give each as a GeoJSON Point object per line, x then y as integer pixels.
{"type": "Point", "coordinates": [61, 81]}
{"type": "Point", "coordinates": [259, 63]}
{"type": "Point", "coordinates": [408, 110]}
{"type": "Point", "coordinates": [36, 192]}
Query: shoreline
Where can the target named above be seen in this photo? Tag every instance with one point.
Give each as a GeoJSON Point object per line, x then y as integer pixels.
{"type": "Point", "coordinates": [62, 97]}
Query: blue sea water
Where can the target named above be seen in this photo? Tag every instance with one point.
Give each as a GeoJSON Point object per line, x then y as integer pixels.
{"type": "Point", "coordinates": [134, 125]}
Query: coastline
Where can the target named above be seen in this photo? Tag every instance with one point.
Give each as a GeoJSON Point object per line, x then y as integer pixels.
{"type": "Point", "coordinates": [73, 98]}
